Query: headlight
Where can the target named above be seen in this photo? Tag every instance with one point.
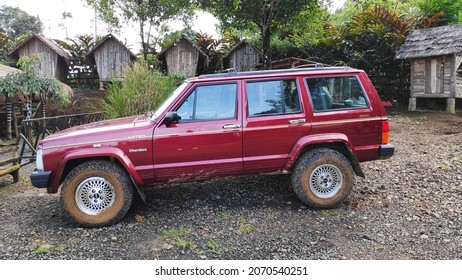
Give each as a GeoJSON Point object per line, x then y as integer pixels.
{"type": "Point", "coordinates": [39, 159]}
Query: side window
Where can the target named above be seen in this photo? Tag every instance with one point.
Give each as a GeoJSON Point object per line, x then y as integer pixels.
{"type": "Point", "coordinates": [273, 97]}
{"type": "Point", "coordinates": [336, 93]}
{"type": "Point", "coordinates": [211, 102]}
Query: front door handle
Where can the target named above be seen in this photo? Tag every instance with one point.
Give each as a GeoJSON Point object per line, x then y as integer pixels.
{"type": "Point", "coordinates": [231, 126]}
{"type": "Point", "coordinates": [297, 121]}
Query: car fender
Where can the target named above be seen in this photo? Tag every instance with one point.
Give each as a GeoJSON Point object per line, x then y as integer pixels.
{"type": "Point", "coordinates": [88, 153]}
{"type": "Point", "coordinates": [322, 139]}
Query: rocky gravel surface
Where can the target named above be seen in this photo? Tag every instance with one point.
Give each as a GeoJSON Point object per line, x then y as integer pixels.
{"type": "Point", "coordinates": [407, 207]}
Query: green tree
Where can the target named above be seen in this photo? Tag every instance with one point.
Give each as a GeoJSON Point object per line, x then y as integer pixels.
{"type": "Point", "coordinates": [14, 22]}
{"type": "Point", "coordinates": [27, 83]}
{"type": "Point", "coordinates": [263, 14]}
{"type": "Point", "coordinates": [452, 9]}
{"type": "Point", "coordinates": [79, 47]}
{"type": "Point", "coordinates": [146, 14]}
{"type": "Point", "coordinates": [5, 46]}
{"type": "Point", "coordinates": [369, 42]}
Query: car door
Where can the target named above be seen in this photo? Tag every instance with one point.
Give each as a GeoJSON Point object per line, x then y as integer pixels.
{"type": "Point", "coordinates": [207, 140]}
{"type": "Point", "coordinates": [274, 122]}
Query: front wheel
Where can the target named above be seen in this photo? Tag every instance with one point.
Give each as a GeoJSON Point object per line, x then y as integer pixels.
{"type": "Point", "coordinates": [97, 193]}
{"type": "Point", "coordinates": [323, 178]}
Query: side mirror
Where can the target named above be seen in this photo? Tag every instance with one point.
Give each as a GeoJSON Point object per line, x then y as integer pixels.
{"type": "Point", "coordinates": [171, 118]}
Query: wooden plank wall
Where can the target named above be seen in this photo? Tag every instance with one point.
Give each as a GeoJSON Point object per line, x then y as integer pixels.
{"type": "Point", "coordinates": [112, 60]}
{"type": "Point", "coordinates": [432, 77]}
{"type": "Point", "coordinates": [244, 58]}
{"type": "Point", "coordinates": [418, 77]}
{"type": "Point", "coordinates": [48, 58]}
{"type": "Point", "coordinates": [458, 76]}
{"type": "Point", "coordinates": [448, 69]}
{"type": "Point", "coordinates": [182, 58]}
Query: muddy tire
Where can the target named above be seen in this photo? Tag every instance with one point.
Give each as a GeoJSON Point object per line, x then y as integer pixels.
{"type": "Point", "coordinates": [97, 193]}
{"type": "Point", "coordinates": [323, 178]}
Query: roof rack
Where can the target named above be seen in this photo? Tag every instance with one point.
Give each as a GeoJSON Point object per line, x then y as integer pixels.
{"type": "Point", "coordinates": [231, 72]}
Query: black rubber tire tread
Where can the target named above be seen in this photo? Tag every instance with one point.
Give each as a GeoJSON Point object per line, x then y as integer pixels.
{"type": "Point", "coordinates": [307, 163]}
{"type": "Point", "coordinates": [113, 173]}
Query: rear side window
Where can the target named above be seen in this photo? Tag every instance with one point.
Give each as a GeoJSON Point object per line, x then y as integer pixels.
{"type": "Point", "coordinates": [273, 97]}
{"type": "Point", "coordinates": [210, 102]}
{"type": "Point", "coordinates": [336, 93]}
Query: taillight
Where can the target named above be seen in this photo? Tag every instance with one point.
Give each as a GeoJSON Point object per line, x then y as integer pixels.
{"type": "Point", "coordinates": [385, 130]}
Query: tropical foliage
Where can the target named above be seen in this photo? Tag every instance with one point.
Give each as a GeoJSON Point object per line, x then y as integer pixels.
{"type": "Point", "coordinates": [27, 82]}
{"type": "Point", "coordinates": [261, 14]}
{"type": "Point", "coordinates": [369, 41]}
{"type": "Point", "coordinates": [140, 92]}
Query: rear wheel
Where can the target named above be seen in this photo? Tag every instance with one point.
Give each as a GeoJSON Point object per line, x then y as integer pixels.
{"type": "Point", "coordinates": [97, 193]}
{"type": "Point", "coordinates": [323, 178]}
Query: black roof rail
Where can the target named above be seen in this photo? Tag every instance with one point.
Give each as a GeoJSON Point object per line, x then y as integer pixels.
{"type": "Point", "coordinates": [230, 70]}
{"type": "Point", "coordinates": [261, 72]}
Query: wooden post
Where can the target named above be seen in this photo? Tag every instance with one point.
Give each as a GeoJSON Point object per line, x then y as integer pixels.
{"type": "Point", "coordinates": [9, 114]}
{"type": "Point", "coordinates": [412, 104]}
{"type": "Point", "coordinates": [451, 105]}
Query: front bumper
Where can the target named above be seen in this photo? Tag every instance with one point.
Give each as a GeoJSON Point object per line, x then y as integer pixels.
{"type": "Point", "coordinates": [40, 179]}
{"type": "Point", "coordinates": [386, 151]}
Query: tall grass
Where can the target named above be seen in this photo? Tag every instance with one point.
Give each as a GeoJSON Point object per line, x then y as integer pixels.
{"type": "Point", "coordinates": [141, 91]}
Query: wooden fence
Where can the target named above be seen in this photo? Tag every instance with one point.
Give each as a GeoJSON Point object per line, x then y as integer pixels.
{"type": "Point", "coordinates": [31, 132]}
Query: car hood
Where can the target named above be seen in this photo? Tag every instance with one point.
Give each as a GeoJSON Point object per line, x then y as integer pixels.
{"type": "Point", "coordinates": [98, 131]}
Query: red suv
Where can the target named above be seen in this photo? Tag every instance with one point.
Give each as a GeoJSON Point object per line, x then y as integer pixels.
{"type": "Point", "coordinates": [316, 124]}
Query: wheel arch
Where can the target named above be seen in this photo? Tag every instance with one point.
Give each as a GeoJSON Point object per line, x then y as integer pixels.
{"type": "Point", "coordinates": [77, 157]}
{"type": "Point", "coordinates": [337, 142]}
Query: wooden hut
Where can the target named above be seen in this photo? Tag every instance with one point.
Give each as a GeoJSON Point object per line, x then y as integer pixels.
{"type": "Point", "coordinates": [111, 57]}
{"type": "Point", "coordinates": [53, 60]}
{"type": "Point", "coordinates": [436, 56]}
{"type": "Point", "coordinates": [291, 62]}
{"type": "Point", "coordinates": [242, 57]}
{"type": "Point", "coordinates": [182, 57]}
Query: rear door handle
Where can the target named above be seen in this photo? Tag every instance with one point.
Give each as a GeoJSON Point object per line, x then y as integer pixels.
{"type": "Point", "coordinates": [231, 126]}
{"type": "Point", "coordinates": [297, 121]}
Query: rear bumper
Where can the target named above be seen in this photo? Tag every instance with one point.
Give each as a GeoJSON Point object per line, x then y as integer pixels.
{"type": "Point", "coordinates": [386, 151]}
{"type": "Point", "coordinates": [40, 179]}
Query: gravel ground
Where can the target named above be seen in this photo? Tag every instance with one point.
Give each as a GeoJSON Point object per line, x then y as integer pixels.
{"type": "Point", "coordinates": [406, 208]}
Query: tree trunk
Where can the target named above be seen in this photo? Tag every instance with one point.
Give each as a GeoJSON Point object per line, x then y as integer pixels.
{"type": "Point", "coordinates": [266, 37]}
{"type": "Point", "coordinates": [143, 43]}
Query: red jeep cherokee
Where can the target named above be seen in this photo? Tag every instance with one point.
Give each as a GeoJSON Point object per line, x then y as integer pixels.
{"type": "Point", "coordinates": [316, 124]}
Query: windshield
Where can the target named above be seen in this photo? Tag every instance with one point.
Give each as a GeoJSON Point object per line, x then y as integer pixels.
{"type": "Point", "coordinates": [169, 100]}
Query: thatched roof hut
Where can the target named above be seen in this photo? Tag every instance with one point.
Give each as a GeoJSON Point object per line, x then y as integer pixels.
{"type": "Point", "coordinates": [429, 42]}
{"type": "Point", "coordinates": [53, 60]}
{"type": "Point", "coordinates": [5, 70]}
{"type": "Point", "coordinates": [11, 108]}
{"type": "Point", "coordinates": [436, 58]}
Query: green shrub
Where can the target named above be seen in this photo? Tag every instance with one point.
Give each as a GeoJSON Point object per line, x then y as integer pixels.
{"type": "Point", "coordinates": [141, 91]}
